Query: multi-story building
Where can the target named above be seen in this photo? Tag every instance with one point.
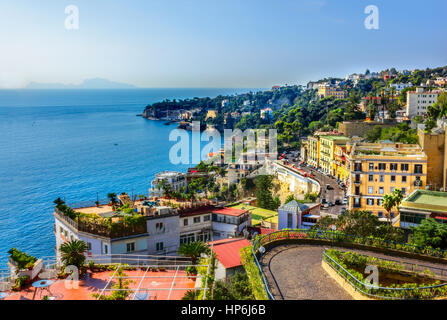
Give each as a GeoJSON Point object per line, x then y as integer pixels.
{"type": "Point", "coordinates": [441, 81]}
{"type": "Point", "coordinates": [175, 180]}
{"type": "Point", "coordinates": [266, 113]}
{"type": "Point", "coordinates": [376, 169]}
{"type": "Point", "coordinates": [313, 151]}
{"type": "Point", "coordinates": [327, 150]}
{"type": "Point", "coordinates": [340, 163]}
{"type": "Point", "coordinates": [418, 101]}
{"type": "Point", "coordinates": [195, 224]}
{"type": "Point", "coordinates": [326, 90]}
{"type": "Point", "coordinates": [229, 222]}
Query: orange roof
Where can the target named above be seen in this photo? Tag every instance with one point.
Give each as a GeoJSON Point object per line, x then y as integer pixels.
{"type": "Point", "coordinates": [230, 212]}
{"type": "Point", "coordinates": [227, 251]}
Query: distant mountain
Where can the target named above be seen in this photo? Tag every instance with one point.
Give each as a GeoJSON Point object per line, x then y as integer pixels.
{"type": "Point", "coordinates": [96, 83]}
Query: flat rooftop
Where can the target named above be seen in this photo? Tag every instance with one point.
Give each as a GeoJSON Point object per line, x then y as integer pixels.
{"type": "Point", "coordinates": [425, 200]}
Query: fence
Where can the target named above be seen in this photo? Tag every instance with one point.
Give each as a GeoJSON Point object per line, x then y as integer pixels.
{"type": "Point", "coordinates": [339, 239]}
{"type": "Point", "coordinates": [388, 293]}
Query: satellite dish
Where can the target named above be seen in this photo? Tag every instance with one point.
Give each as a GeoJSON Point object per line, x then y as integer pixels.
{"type": "Point", "coordinates": [262, 250]}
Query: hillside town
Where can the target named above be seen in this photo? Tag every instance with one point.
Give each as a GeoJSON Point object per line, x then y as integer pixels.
{"type": "Point", "coordinates": [368, 149]}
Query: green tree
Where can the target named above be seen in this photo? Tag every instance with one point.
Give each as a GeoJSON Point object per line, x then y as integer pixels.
{"type": "Point", "coordinates": [391, 201]}
{"type": "Point", "coordinates": [430, 233]}
{"type": "Point", "coordinates": [264, 185]}
{"type": "Point", "coordinates": [236, 288]}
{"type": "Point", "coordinates": [72, 253]}
{"type": "Point", "coordinates": [193, 250]}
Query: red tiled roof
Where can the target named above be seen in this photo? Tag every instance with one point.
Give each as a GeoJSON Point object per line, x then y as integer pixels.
{"type": "Point", "coordinates": [230, 212]}
{"type": "Point", "coordinates": [227, 251]}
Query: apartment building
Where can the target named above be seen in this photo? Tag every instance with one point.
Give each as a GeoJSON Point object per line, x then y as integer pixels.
{"type": "Point", "coordinates": [195, 224]}
{"type": "Point", "coordinates": [327, 90]}
{"type": "Point", "coordinates": [340, 163]}
{"type": "Point", "coordinates": [418, 101]}
{"type": "Point", "coordinates": [313, 151]}
{"type": "Point", "coordinates": [327, 152]}
{"type": "Point", "coordinates": [229, 222]}
{"type": "Point", "coordinates": [175, 180]}
{"type": "Point", "coordinates": [376, 169]}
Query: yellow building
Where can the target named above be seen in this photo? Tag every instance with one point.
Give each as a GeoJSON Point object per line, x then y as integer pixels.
{"type": "Point", "coordinates": [313, 151]}
{"type": "Point", "coordinates": [326, 90]}
{"type": "Point", "coordinates": [340, 164]}
{"type": "Point", "coordinates": [327, 152]}
{"type": "Point", "coordinates": [211, 114]}
{"type": "Point", "coordinates": [376, 169]}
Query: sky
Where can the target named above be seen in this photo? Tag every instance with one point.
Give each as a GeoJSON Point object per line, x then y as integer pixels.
{"type": "Point", "coordinates": [215, 43]}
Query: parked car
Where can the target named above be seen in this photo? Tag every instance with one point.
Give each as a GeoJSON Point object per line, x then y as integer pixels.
{"type": "Point", "coordinates": [330, 204]}
{"type": "Point", "coordinates": [329, 187]}
{"type": "Point", "coordinates": [345, 201]}
{"type": "Point", "coordinates": [337, 202]}
{"type": "Point", "coordinates": [343, 210]}
{"type": "Point", "coordinates": [323, 201]}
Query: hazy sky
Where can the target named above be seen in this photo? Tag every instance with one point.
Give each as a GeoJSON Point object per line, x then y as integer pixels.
{"type": "Point", "coordinates": [210, 43]}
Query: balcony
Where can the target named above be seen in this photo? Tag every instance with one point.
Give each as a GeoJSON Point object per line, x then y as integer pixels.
{"type": "Point", "coordinates": [112, 230]}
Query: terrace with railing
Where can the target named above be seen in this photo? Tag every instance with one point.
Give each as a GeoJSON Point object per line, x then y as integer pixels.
{"type": "Point", "coordinates": [104, 227]}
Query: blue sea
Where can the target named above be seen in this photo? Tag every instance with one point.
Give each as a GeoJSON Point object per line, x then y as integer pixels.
{"type": "Point", "coordinates": [77, 145]}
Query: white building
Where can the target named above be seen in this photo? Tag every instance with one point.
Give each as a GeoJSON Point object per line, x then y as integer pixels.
{"type": "Point", "coordinates": [400, 86]}
{"type": "Point", "coordinates": [229, 222]}
{"type": "Point", "coordinates": [266, 113]}
{"type": "Point", "coordinates": [176, 180]}
{"type": "Point", "coordinates": [195, 224]}
{"type": "Point", "coordinates": [99, 240]}
{"type": "Point", "coordinates": [298, 215]}
{"type": "Point", "coordinates": [228, 256]}
{"type": "Point", "coordinates": [418, 101]}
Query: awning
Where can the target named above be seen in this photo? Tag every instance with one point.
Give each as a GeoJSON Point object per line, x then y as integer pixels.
{"type": "Point", "coordinates": [439, 217]}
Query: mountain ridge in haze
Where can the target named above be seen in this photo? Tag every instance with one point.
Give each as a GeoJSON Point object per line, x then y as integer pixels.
{"type": "Point", "coordinates": [94, 83]}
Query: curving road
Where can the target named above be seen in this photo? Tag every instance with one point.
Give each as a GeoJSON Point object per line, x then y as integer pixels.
{"type": "Point", "coordinates": [294, 272]}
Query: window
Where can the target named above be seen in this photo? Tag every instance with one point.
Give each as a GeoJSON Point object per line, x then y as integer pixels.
{"type": "Point", "coordinates": [357, 191]}
{"type": "Point", "coordinates": [206, 218]}
{"type": "Point", "coordinates": [393, 166]}
{"type": "Point", "coordinates": [89, 246]}
{"type": "Point", "coordinates": [379, 202]}
{"type": "Point", "coordinates": [159, 246]}
{"type": "Point", "coordinates": [370, 202]}
{"type": "Point", "coordinates": [371, 167]}
{"type": "Point", "coordinates": [370, 190]}
{"type": "Point", "coordinates": [105, 249]}
{"type": "Point", "coordinates": [61, 230]}
{"type": "Point", "coordinates": [380, 214]}
{"type": "Point", "coordinates": [404, 179]}
{"type": "Point", "coordinates": [130, 247]}
{"type": "Point", "coordinates": [382, 166]}
{"type": "Point", "coordinates": [382, 179]}
{"type": "Point", "coordinates": [404, 167]}
{"type": "Point", "coordinates": [370, 178]}
{"type": "Point", "coordinates": [393, 178]}
{"type": "Point", "coordinates": [159, 225]}
{"type": "Point", "coordinates": [418, 168]}
{"type": "Point", "coordinates": [196, 219]}
{"type": "Point", "coordinates": [185, 222]}
{"type": "Point", "coordinates": [381, 190]}
{"type": "Point", "coordinates": [216, 234]}
{"type": "Point", "coordinates": [392, 189]}
{"type": "Point", "coordinates": [404, 191]}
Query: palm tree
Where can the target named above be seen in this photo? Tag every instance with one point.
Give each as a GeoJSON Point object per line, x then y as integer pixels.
{"type": "Point", "coordinates": [112, 198]}
{"type": "Point", "coordinates": [193, 250]}
{"type": "Point", "coordinates": [58, 202]}
{"type": "Point", "coordinates": [392, 200]}
{"type": "Point", "coordinates": [73, 253]}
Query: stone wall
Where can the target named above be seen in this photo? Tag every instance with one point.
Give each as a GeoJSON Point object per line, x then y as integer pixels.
{"type": "Point", "coordinates": [434, 147]}
{"type": "Point", "coordinates": [360, 128]}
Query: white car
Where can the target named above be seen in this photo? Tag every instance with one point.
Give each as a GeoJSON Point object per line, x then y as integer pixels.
{"type": "Point", "coordinates": [345, 201]}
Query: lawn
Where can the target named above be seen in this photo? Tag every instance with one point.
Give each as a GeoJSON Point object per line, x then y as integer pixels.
{"type": "Point", "coordinates": [257, 214]}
